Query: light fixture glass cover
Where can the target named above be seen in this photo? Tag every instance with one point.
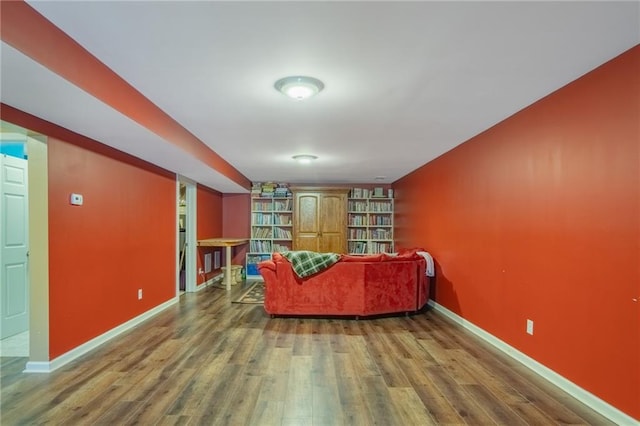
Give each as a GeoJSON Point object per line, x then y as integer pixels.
{"type": "Point", "coordinates": [304, 158]}
{"type": "Point", "coordinates": [299, 87]}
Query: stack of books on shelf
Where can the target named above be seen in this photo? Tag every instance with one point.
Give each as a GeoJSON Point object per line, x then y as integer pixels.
{"type": "Point", "coordinates": [282, 191]}
{"type": "Point", "coordinates": [256, 189]}
{"type": "Point", "coordinates": [270, 190]}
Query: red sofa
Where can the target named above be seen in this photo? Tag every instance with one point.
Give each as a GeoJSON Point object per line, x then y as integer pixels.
{"type": "Point", "coordinates": [355, 285]}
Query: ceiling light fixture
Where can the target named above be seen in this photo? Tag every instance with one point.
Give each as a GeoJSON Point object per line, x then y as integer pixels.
{"type": "Point", "coordinates": [299, 87]}
{"type": "Point", "coordinates": [304, 158]}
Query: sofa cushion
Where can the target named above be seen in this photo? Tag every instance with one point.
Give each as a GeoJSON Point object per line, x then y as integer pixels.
{"type": "Point", "coordinates": [362, 258]}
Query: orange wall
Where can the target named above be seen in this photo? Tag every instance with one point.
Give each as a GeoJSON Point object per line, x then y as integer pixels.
{"type": "Point", "coordinates": [209, 218]}
{"type": "Point", "coordinates": [122, 239]}
{"type": "Point", "coordinates": [538, 218]}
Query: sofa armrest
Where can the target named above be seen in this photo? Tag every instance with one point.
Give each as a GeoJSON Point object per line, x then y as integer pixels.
{"type": "Point", "coordinates": [267, 264]}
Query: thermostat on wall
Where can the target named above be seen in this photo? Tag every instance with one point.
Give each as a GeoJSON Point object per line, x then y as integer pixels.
{"type": "Point", "coordinates": [76, 199]}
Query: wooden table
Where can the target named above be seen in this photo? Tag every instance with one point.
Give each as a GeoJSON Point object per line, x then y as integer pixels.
{"type": "Point", "coordinates": [228, 243]}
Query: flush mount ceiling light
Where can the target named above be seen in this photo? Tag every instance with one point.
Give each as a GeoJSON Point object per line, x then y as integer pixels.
{"type": "Point", "coordinates": [299, 87]}
{"type": "Point", "coordinates": [304, 159]}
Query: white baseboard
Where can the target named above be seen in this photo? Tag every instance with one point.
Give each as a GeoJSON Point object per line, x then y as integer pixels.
{"type": "Point", "coordinates": [209, 282]}
{"type": "Point", "coordinates": [48, 367]}
{"type": "Point", "coordinates": [587, 398]}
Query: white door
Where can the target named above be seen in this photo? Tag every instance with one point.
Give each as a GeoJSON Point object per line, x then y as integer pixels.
{"type": "Point", "coordinates": [14, 282]}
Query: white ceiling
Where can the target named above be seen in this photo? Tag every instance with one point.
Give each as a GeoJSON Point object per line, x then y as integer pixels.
{"type": "Point", "coordinates": [405, 81]}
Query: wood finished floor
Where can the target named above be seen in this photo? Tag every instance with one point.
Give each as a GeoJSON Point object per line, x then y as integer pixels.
{"type": "Point", "coordinates": [207, 361]}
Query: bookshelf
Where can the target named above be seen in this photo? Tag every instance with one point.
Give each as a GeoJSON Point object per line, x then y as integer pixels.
{"type": "Point", "coordinates": [369, 222]}
{"type": "Point", "coordinates": [271, 226]}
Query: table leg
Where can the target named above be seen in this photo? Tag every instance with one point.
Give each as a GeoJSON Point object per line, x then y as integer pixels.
{"type": "Point", "coordinates": [228, 278]}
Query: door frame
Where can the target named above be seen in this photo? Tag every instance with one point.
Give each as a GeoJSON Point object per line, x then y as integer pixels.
{"type": "Point", "coordinates": [21, 323]}
{"type": "Point", "coordinates": [190, 234]}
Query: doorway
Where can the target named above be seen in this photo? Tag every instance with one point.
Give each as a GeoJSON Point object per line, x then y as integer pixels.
{"type": "Point", "coordinates": [14, 242]}
{"type": "Point", "coordinates": [186, 235]}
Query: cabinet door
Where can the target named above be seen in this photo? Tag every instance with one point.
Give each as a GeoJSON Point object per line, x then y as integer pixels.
{"type": "Point", "coordinates": [320, 221]}
{"type": "Point", "coordinates": [333, 224]}
{"type": "Point", "coordinates": [306, 226]}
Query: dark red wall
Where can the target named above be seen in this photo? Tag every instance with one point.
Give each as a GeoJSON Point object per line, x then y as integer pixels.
{"type": "Point", "coordinates": [237, 222]}
{"type": "Point", "coordinates": [538, 218]}
{"type": "Point", "coordinates": [209, 225]}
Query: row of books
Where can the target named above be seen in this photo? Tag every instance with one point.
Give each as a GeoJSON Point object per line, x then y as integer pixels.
{"type": "Point", "coordinates": [283, 205]}
{"type": "Point", "coordinates": [378, 220]}
{"type": "Point", "coordinates": [357, 247]}
{"type": "Point", "coordinates": [260, 246]}
{"type": "Point", "coordinates": [373, 220]}
{"type": "Point", "coordinates": [380, 234]}
{"type": "Point", "coordinates": [376, 247]}
{"type": "Point", "coordinates": [364, 206]}
{"type": "Point", "coordinates": [257, 258]}
{"type": "Point", "coordinates": [261, 233]}
{"type": "Point", "coordinates": [361, 234]}
{"type": "Point", "coordinates": [377, 192]}
{"type": "Point", "coordinates": [282, 234]}
{"type": "Point", "coordinates": [261, 218]}
{"type": "Point", "coordinates": [262, 205]}
{"type": "Point", "coordinates": [357, 206]}
{"type": "Point", "coordinates": [360, 247]}
{"type": "Point", "coordinates": [357, 234]}
{"type": "Point", "coordinates": [379, 206]}
{"type": "Point", "coordinates": [279, 247]}
{"type": "Point", "coordinates": [282, 219]}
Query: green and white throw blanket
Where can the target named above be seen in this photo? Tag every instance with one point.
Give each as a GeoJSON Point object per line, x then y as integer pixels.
{"type": "Point", "coordinates": [307, 263]}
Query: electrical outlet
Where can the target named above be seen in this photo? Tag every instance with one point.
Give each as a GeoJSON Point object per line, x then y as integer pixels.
{"type": "Point", "coordinates": [139, 294]}
{"type": "Point", "coordinates": [200, 271]}
{"type": "Point", "coordinates": [530, 327]}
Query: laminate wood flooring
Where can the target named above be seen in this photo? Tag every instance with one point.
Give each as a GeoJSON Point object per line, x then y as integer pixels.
{"type": "Point", "coordinates": [207, 361]}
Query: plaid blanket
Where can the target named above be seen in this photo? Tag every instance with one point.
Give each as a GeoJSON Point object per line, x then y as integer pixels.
{"type": "Point", "coordinates": [307, 263]}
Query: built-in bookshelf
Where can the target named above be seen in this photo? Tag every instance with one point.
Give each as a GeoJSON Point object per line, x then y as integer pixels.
{"type": "Point", "coordinates": [271, 224]}
{"type": "Point", "coordinates": [370, 221]}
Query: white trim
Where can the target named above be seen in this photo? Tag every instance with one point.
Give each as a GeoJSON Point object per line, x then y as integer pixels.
{"type": "Point", "coordinates": [209, 282]}
{"type": "Point", "coordinates": [48, 367]}
{"type": "Point", "coordinates": [587, 398]}
{"type": "Point", "coordinates": [37, 367]}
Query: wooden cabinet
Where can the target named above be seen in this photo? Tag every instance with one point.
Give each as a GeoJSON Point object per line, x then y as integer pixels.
{"type": "Point", "coordinates": [320, 219]}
